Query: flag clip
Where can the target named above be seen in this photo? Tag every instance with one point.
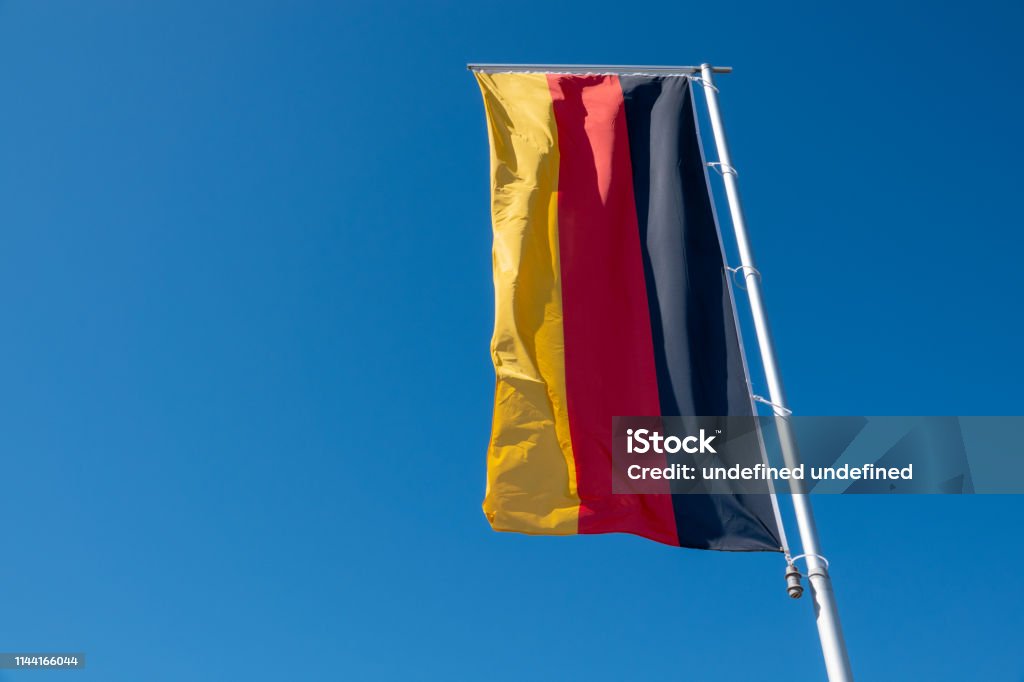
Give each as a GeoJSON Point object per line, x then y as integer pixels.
{"type": "Point", "coordinates": [822, 572]}
{"type": "Point", "coordinates": [793, 574]}
{"type": "Point", "coordinates": [786, 412]}
{"type": "Point", "coordinates": [740, 268]}
{"type": "Point", "coordinates": [723, 168]}
{"type": "Point", "coordinates": [703, 81]}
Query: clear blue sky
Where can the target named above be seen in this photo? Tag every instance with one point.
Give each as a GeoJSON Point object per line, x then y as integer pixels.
{"type": "Point", "coordinates": [244, 375]}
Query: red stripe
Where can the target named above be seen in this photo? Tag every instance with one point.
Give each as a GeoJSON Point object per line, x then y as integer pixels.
{"type": "Point", "coordinates": [609, 356]}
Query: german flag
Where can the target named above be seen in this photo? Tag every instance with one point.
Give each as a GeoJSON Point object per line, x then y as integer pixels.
{"type": "Point", "coordinates": [611, 299]}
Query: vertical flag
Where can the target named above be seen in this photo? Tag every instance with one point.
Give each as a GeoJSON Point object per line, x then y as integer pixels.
{"type": "Point", "coordinates": [611, 299]}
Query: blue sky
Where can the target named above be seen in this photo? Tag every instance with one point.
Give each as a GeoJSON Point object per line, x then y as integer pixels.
{"type": "Point", "coordinates": [244, 378]}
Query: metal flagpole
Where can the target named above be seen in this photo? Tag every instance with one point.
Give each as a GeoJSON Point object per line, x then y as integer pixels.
{"type": "Point", "coordinates": [830, 631]}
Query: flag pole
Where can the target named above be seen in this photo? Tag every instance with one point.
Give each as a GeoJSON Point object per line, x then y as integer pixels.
{"type": "Point", "coordinates": [830, 631]}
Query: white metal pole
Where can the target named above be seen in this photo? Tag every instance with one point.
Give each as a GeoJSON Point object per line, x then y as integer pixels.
{"type": "Point", "coordinates": [830, 631]}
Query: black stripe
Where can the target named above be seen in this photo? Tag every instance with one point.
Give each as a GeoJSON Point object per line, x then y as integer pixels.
{"type": "Point", "coordinates": [696, 345]}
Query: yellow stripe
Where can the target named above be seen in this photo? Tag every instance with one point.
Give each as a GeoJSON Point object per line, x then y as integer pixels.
{"type": "Point", "coordinates": [531, 476]}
